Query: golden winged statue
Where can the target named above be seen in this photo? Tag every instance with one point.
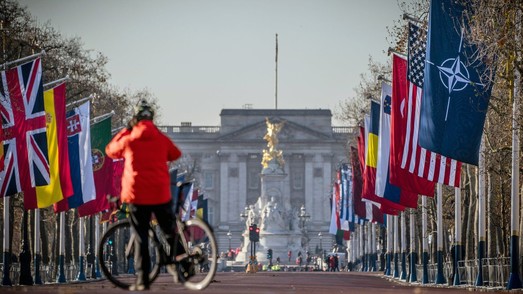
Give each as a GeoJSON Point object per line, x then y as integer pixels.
{"type": "Point", "coordinates": [272, 154]}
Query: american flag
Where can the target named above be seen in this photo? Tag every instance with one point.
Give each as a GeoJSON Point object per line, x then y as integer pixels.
{"type": "Point", "coordinates": [417, 160]}
{"type": "Point", "coordinates": [25, 138]}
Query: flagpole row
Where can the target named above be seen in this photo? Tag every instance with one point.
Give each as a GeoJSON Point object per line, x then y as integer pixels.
{"type": "Point", "coordinates": [90, 97]}
{"type": "Point", "coordinates": [56, 82]}
{"type": "Point", "coordinates": [23, 59]}
{"type": "Point", "coordinates": [101, 117]}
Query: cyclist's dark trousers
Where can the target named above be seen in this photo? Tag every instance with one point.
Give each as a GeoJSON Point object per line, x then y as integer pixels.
{"type": "Point", "coordinates": [140, 218]}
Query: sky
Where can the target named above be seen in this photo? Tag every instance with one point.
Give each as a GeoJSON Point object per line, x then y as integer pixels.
{"type": "Point", "coordinates": [201, 56]}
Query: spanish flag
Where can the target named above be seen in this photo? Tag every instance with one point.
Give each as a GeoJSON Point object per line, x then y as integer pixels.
{"type": "Point", "coordinates": [60, 185]}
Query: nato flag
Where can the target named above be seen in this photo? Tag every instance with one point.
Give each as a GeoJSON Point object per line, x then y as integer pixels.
{"type": "Point", "coordinates": [455, 100]}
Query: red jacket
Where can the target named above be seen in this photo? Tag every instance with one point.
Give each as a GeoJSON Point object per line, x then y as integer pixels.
{"type": "Point", "coordinates": [146, 151]}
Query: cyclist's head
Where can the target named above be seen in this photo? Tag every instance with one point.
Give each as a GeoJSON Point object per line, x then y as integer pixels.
{"type": "Point", "coordinates": [144, 111]}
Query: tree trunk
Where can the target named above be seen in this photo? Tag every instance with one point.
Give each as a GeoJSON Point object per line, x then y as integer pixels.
{"type": "Point", "coordinates": [16, 222]}
{"type": "Point", "coordinates": [470, 245]}
{"type": "Point", "coordinates": [56, 244]}
{"type": "Point", "coordinates": [44, 237]}
{"type": "Point", "coordinates": [492, 249]}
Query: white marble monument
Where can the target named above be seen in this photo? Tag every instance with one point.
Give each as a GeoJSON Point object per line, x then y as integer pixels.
{"type": "Point", "coordinates": [272, 212]}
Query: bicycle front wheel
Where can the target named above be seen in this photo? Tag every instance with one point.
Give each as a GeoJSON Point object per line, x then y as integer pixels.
{"type": "Point", "coordinates": [203, 254]}
{"type": "Point", "coordinates": [116, 255]}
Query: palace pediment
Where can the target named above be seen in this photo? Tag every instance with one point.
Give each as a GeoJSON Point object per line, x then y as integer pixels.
{"type": "Point", "coordinates": [291, 131]}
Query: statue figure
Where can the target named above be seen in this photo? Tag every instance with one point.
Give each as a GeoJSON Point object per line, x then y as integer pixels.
{"type": "Point", "coordinates": [272, 133]}
{"type": "Point", "coordinates": [251, 216]}
{"type": "Point", "coordinates": [272, 154]}
{"type": "Point", "coordinates": [272, 217]}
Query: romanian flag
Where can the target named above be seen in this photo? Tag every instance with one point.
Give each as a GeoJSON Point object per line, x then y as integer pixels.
{"type": "Point", "coordinates": [371, 154]}
{"type": "Point", "coordinates": [371, 162]}
{"type": "Point", "coordinates": [60, 185]}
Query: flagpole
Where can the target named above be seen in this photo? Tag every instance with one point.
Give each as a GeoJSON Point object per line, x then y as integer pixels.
{"type": "Point", "coordinates": [373, 247]}
{"type": "Point", "coordinates": [23, 59]}
{"type": "Point", "coordinates": [6, 280]}
{"type": "Point", "coordinates": [37, 256]}
{"type": "Point", "coordinates": [362, 247]}
{"type": "Point", "coordinates": [413, 252]}
{"type": "Point", "coordinates": [425, 254]}
{"type": "Point", "coordinates": [96, 239]}
{"type": "Point", "coordinates": [90, 97]}
{"type": "Point", "coordinates": [457, 234]}
{"type": "Point", "coordinates": [102, 117]}
{"type": "Point", "coordinates": [403, 275]}
{"type": "Point", "coordinates": [388, 256]}
{"type": "Point", "coordinates": [396, 273]}
{"type": "Point", "coordinates": [368, 247]}
{"type": "Point", "coordinates": [61, 249]}
{"type": "Point", "coordinates": [440, 279]}
{"type": "Point", "coordinates": [514, 281]}
{"type": "Point", "coordinates": [56, 82]}
{"type": "Point", "coordinates": [400, 54]}
{"type": "Point", "coordinates": [81, 250]}
{"type": "Point", "coordinates": [361, 237]}
{"type": "Point", "coordinates": [481, 214]}
{"type": "Point", "coordinates": [409, 17]}
{"type": "Point", "coordinates": [276, 80]}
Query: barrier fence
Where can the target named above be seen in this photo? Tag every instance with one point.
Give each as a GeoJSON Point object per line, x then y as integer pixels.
{"type": "Point", "coordinates": [496, 272]}
{"type": "Point", "coordinates": [48, 273]}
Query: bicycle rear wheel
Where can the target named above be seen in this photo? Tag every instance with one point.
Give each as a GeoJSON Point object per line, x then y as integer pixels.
{"type": "Point", "coordinates": [116, 255]}
{"type": "Point", "coordinates": [203, 254]}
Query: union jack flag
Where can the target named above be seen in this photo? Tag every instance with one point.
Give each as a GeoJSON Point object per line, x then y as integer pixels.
{"type": "Point", "coordinates": [25, 138]}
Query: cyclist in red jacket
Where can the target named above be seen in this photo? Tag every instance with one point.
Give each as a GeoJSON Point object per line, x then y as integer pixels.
{"type": "Point", "coordinates": [145, 182]}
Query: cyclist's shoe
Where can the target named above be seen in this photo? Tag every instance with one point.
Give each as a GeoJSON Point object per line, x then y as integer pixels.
{"type": "Point", "coordinates": [186, 270]}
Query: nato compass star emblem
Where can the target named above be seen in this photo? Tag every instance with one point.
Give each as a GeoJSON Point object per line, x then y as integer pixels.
{"type": "Point", "coordinates": [453, 74]}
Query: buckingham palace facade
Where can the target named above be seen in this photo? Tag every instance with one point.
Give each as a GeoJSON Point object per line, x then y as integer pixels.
{"type": "Point", "coordinates": [226, 161]}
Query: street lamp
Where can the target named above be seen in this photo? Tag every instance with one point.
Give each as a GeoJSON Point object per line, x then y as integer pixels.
{"type": "Point", "coordinates": [304, 216]}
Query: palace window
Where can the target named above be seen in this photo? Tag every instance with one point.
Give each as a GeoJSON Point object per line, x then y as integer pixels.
{"type": "Point", "coordinates": [208, 180]}
{"type": "Point", "coordinates": [297, 180]}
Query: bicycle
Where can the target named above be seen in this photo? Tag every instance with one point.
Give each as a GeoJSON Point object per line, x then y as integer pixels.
{"type": "Point", "coordinates": [116, 253]}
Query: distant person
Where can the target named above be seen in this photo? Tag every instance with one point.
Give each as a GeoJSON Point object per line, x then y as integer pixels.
{"type": "Point", "coordinates": [336, 263]}
{"type": "Point", "coordinates": [332, 264]}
